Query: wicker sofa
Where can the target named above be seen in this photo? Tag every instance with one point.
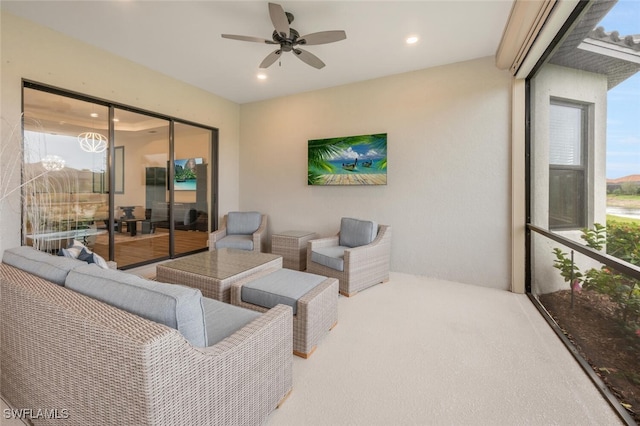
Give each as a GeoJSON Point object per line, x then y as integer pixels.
{"type": "Point", "coordinates": [96, 364]}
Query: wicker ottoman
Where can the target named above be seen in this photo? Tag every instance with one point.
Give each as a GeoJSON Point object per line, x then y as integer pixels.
{"type": "Point", "coordinates": [314, 300]}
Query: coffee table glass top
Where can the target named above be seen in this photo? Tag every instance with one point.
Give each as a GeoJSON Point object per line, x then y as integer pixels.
{"type": "Point", "coordinates": [221, 264]}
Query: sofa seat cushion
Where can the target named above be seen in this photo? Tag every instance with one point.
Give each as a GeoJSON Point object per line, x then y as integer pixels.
{"type": "Point", "coordinates": [243, 223]}
{"type": "Point", "coordinates": [175, 306]}
{"type": "Point", "coordinates": [283, 286]}
{"type": "Point", "coordinates": [240, 242]}
{"type": "Point", "coordinates": [356, 233]}
{"type": "Point", "coordinates": [331, 257]}
{"type": "Point", "coordinates": [223, 319]}
{"type": "Point", "coordinates": [39, 263]}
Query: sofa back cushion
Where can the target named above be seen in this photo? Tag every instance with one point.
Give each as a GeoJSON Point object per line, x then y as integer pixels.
{"type": "Point", "coordinates": [355, 232]}
{"type": "Point", "coordinates": [243, 223]}
{"type": "Point", "coordinates": [175, 306]}
{"type": "Point", "coordinates": [39, 263]}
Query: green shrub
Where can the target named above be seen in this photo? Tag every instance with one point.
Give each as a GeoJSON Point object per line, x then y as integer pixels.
{"type": "Point", "coordinates": [622, 241]}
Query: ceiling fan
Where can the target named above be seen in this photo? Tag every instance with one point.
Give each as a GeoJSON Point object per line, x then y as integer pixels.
{"type": "Point", "coordinates": [289, 39]}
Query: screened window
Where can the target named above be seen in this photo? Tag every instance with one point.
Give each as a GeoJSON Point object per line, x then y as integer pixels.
{"type": "Point", "coordinates": [567, 171]}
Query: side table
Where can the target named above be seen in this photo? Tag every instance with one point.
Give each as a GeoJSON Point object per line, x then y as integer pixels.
{"type": "Point", "coordinates": [292, 246]}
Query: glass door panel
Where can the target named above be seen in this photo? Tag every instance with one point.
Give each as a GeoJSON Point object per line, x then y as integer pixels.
{"type": "Point", "coordinates": [65, 172]}
{"type": "Point", "coordinates": [141, 197]}
{"type": "Point", "coordinates": [192, 171]}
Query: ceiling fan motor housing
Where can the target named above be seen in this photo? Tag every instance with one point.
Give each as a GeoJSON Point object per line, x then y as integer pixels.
{"type": "Point", "coordinates": [286, 44]}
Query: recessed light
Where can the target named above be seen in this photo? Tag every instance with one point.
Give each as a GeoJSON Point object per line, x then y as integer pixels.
{"type": "Point", "coordinates": [262, 76]}
{"type": "Point", "coordinates": [94, 114]}
{"type": "Point", "coordinates": [412, 40]}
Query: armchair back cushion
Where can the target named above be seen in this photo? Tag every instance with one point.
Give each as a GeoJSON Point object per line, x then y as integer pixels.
{"type": "Point", "coordinates": [355, 232]}
{"type": "Point", "coordinates": [175, 306]}
{"type": "Point", "coordinates": [41, 264]}
{"type": "Point", "coordinates": [243, 223]}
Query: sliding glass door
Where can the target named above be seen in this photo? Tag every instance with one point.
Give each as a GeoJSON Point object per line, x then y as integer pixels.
{"type": "Point", "coordinates": [64, 171]}
{"type": "Point", "coordinates": [133, 186]}
{"type": "Point", "coordinates": [191, 177]}
{"type": "Point", "coordinates": [141, 195]}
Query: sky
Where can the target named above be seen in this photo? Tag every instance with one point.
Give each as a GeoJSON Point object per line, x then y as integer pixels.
{"type": "Point", "coordinates": [623, 109]}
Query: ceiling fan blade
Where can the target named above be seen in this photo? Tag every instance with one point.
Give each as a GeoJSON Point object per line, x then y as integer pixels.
{"type": "Point", "coordinates": [270, 59]}
{"type": "Point", "coordinates": [248, 38]}
{"type": "Point", "coordinates": [322, 37]}
{"type": "Point", "coordinates": [309, 58]}
{"type": "Point", "coordinates": [279, 19]}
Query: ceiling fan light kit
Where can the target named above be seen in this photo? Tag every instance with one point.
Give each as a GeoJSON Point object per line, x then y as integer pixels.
{"type": "Point", "coordinates": [289, 39]}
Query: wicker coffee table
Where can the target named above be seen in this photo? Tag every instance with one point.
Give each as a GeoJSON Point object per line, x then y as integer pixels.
{"type": "Point", "coordinates": [213, 272]}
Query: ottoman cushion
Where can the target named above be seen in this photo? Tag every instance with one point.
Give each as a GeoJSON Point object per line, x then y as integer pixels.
{"type": "Point", "coordinates": [283, 286]}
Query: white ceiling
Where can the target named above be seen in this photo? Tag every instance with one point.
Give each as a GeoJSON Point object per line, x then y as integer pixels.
{"type": "Point", "coordinates": [182, 38]}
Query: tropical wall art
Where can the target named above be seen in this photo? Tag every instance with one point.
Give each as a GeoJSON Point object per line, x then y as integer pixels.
{"type": "Point", "coordinates": [186, 174]}
{"type": "Point", "coordinates": [349, 160]}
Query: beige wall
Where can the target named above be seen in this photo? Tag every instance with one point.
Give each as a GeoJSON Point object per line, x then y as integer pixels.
{"type": "Point", "coordinates": [448, 195]}
{"type": "Point", "coordinates": [32, 52]}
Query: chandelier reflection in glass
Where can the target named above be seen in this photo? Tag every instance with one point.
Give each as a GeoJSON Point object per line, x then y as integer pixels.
{"type": "Point", "coordinates": [52, 163]}
{"type": "Point", "coordinates": [92, 142]}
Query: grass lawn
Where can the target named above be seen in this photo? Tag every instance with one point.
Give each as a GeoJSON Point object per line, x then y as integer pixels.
{"type": "Point", "coordinates": [630, 201]}
{"type": "Point", "coordinates": [621, 219]}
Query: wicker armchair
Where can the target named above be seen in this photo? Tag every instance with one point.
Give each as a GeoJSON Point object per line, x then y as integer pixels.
{"type": "Point", "coordinates": [240, 230]}
{"type": "Point", "coordinates": [362, 266]}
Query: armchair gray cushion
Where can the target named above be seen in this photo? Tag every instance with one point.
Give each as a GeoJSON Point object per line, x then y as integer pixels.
{"type": "Point", "coordinates": [331, 257]}
{"type": "Point", "coordinates": [356, 233]}
{"type": "Point", "coordinates": [243, 223]}
{"type": "Point", "coordinates": [175, 306]}
{"type": "Point", "coordinates": [240, 242]}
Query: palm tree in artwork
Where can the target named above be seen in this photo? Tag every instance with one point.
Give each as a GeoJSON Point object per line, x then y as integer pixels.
{"type": "Point", "coordinates": [320, 152]}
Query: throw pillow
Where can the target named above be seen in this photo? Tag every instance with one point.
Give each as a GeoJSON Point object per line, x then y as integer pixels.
{"type": "Point", "coordinates": [65, 253]}
{"type": "Point", "coordinates": [99, 260]}
{"type": "Point", "coordinates": [78, 251]}
{"type": "Point", "coordinates": [86, 256]}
